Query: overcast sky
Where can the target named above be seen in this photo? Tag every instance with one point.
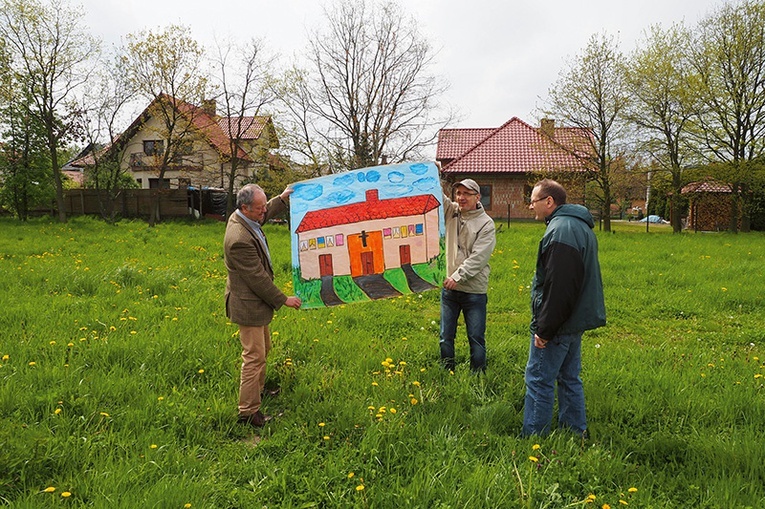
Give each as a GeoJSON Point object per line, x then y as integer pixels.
{"type": "Point", "coordinates": [500, 57]}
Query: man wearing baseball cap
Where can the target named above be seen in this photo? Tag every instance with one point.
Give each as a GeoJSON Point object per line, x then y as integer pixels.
{"type": "Point", "coordinates": [470, 241]}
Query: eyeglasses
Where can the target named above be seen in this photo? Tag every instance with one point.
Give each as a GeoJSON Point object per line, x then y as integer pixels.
{"type": "Point", "coordinates": [532, 202]}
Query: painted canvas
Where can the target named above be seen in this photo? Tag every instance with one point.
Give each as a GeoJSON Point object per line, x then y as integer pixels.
{"type": "Point", "coordinates": [367, 234]}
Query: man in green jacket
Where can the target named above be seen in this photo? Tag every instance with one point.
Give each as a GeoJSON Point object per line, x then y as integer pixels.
{"type": "Point", "coordinates": [566, 300]}
{"type": "Point", "coordinates": [470, 240]}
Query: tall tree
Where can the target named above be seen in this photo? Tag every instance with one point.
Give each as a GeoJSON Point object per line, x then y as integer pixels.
{"type": "Point", "coordinates": [167, 68]}
{"type": "Point", "coordinates": [243, 74]}
{"type": "Point", "coordinates": [729, 59]}
{"type": "Point", "coordinates": [104, 105]}
{"type": "Point", "coordinates": [52, 56]}
{"type": "Point", "coordinates": [591, 93]}
{"type": "Point", "coordinates": [370, 91]}
{"type": "Point", "coordinates": [658, 77]}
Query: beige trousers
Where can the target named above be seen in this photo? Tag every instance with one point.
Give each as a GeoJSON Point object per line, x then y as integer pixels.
{"type": "Point", "coordinates": [256, 343]}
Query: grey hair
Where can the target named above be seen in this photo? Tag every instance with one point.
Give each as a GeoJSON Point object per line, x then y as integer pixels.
{"type": "Point", "coordinates": [246, 195]}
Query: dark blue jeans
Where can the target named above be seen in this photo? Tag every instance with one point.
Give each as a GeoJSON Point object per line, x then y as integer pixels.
{"type": "Point", "coordinates": [473, 308]}
{"type": "Point", "coordinates": [559, 363]}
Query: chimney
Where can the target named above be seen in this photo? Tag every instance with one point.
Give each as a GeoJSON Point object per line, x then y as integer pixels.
{"type": "Point", "coordinates": [372, 195]}
{"type": "Point", "coordinates": [209, 107]}
{"type": "Point", "coordinates": [548, 127]}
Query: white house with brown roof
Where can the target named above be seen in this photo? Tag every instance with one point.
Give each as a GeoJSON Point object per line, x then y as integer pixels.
{"type": "Point", "coordinates": [505, 160]}
{"type": "Point", "coordinates": [202, 148]}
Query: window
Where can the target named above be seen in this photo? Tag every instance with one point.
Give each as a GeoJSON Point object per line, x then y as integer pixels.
{"type": "Point", "coordinates": [486, 196]}
{"type": "Point", "coordinates": [159, 184]}
{"type": "Point", "coordinates": [153, 147]}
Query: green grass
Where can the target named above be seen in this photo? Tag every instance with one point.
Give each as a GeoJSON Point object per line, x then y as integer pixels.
{"type": "Point", "coordinates": [121, 378]}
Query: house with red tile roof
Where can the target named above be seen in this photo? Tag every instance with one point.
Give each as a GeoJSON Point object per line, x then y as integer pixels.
{"type": "Point", "coordinates": [203, 157]}
{"type": "Point", "coordinates": [368, 237]}
{"type": "Point", "coordinates": [505, 161]}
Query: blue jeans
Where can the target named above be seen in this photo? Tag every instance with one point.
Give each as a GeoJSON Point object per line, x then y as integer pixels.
{"type": "Point", "coordinates": [561, 361]}
{"type": "Point", "coordinates": [473, 308]}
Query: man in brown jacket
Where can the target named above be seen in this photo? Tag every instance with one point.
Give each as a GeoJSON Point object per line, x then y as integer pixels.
{"type": "Point", "coordinates": [251, 296]}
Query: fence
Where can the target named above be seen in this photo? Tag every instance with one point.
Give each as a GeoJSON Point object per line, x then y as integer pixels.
{"type": "Point", "coordinates": [138, 202]}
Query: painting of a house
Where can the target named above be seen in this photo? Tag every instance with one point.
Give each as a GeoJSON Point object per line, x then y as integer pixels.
{"type": "Point", "coordinates": [367, 234]}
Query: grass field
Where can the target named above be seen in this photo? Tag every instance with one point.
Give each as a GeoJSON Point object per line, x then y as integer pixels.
{"type": "Point", "coordinates": [119, 379]}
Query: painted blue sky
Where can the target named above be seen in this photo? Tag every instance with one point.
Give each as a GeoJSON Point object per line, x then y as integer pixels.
{"type": "Point", "coordinates": [391, 181]}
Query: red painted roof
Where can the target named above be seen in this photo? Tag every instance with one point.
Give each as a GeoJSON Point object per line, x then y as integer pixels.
{"type": "Point", "coordinates": [514, 147]}
{"type": "Point", "coordinates": [371, 209]}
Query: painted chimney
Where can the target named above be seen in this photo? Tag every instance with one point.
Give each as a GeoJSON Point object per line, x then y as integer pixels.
{"type": "Point", "coordinates": [548, 127]}
{"type": "Point", "coordinates": [372, 195]}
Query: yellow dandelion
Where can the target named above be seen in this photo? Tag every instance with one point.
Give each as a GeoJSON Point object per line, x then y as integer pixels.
{"type": "Point", "coordinates": [6, 357]}
{"type": "Point", "coordinates": [321, 424]}
{"type": "Point", "coordinates": [591, 498]}
{"type": "Point", "coordinates": [371, 408]}
{"type": "Point", "coordinates": [326, 437]}
{"type": "Point", "coordinates": [360, 487]}
{"type": "Point", "coordinates": [186, 506]}
{"type": "Point", "coordinates": [57, 411]}
{"type": "Point", "coordinates": [535, 447]}
{"type": "Point", "coordinates": [201, 371]}
{"type": "Point", "coordinates": [49, 489]}
{"type": "Point", "coordinates": [534, 459]}
{"type": "Point", "coordinates": [402, 363]}
{"type": "Point", "coordinates": [413, 401]}
{"type": "Point", "coordinates": [758, 375]}
{"type": "Point", "coordinates": [632, 490]}
{"type": "Point", "coordinates": [378, 416]}
{"type": "Point", "coordinates": [66, 494]}
{"type": "Point", "coordinates": [160, 398]}
{"type": "Point", "coordinates": [403, 339]}
{"type": "Point", "coordinates": [350, 475]}
{"type": "Point", "coordinates": [70, 344]}
{"type": "Point", "coordinates": [393, 410]}
{"type": "Point", "coordinates": [388, 359]}
{"type": "Point", "coordinates": [33, 363]}
{"type": "Point", "coordinates": [416, 383]}
{"type": "Point", "coordinates": [605, 506]}
{"type": "Point", "coordinates": [153, 446]}
{"type": "Point", "coordinates": [374, 384]}
{"type": "Point", "coordinates": [104, 414]}
{"type": "Point", "coordinates": [52, 343]}
{"type": "Point", "coordinates": [623, 502]}
{"type": "Point", "coordinates": [422, 370]}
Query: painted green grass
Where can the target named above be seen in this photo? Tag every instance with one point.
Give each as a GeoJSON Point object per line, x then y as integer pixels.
{"type": "Point", "coordinates": [119, 381]}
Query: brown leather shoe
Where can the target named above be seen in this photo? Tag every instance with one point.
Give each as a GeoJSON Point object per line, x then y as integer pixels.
{"type": "Point", "coordinates": [257, 420]}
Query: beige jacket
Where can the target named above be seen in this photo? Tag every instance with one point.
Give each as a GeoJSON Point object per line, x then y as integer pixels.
{"type": "Point", "coordinates": [470, 240]}
{"type": "Point", "coordinates": [251, 296]}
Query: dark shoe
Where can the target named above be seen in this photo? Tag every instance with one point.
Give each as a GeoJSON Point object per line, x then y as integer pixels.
{"type": "Point", "coordinates": [257, 420]}
{"type": "Point", "coordinates": [272, 392]}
